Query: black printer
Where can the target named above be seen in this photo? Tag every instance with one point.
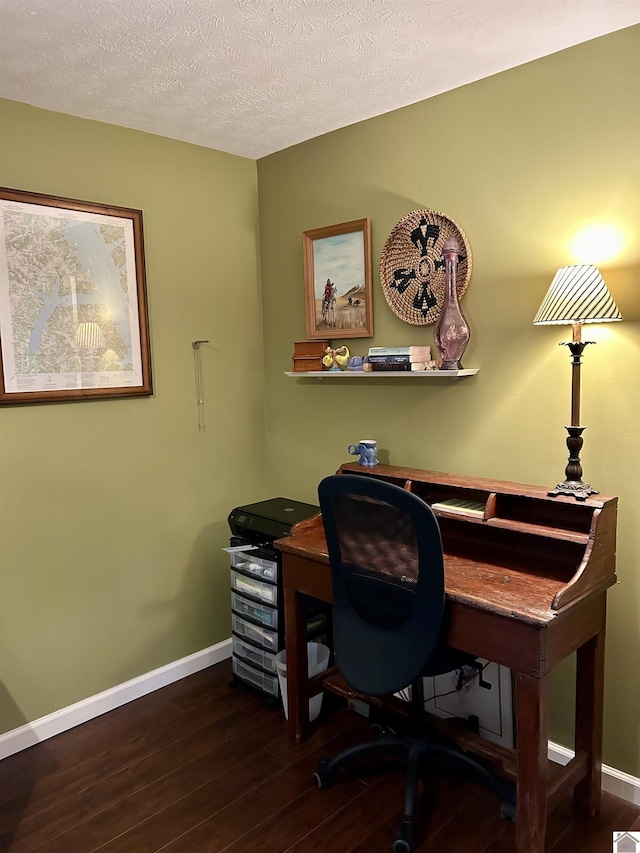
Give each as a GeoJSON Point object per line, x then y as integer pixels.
{"type": "Point", "coordinates": [266, 521]}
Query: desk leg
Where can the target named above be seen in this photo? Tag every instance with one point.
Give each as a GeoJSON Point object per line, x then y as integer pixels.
{"type": "Point", "coordinates": [589, 706]}
{"type": "Point", "coordinates": [297, 671]}
{"type": "Point", "coordinates": [532, 715]}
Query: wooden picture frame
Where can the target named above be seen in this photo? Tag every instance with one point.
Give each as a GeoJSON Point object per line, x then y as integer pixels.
{"type": "Point", "coordinates": [73, 306]}
{"type": "Point", "coordinates": [337, 276]}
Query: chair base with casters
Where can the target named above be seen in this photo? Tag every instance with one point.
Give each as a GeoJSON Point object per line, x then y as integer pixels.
{"type": "Point", "coordinates": [417, 752]}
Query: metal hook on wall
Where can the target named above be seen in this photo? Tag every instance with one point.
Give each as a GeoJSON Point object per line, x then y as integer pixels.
{"type": "Point", "coordinates": [199, 382]}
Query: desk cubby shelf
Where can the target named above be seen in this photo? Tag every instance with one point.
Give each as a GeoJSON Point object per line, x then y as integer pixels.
{"type": "Point", "coordinates": [520, 531]}
{"type": "Point", "coordinates": [527, 515]}
{"type": "Point", "coordinates": [385, 374]}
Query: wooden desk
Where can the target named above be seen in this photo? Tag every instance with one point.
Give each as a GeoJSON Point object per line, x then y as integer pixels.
{"type": "Point", "coordinates": [526, 586]}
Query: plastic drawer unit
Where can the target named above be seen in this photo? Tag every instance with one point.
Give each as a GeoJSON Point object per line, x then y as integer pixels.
{"type": "Point", "coordinates": [257, 615]}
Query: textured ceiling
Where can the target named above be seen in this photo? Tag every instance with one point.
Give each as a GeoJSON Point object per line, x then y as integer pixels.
{"type": "Point", "coordinates": [255, 76]}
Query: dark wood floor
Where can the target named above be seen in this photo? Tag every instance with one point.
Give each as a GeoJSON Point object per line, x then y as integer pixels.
{"type": "Point", "coordinates": [199, 767]}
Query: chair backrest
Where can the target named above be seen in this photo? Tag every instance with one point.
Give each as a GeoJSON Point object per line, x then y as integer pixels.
{"type": "Point", "coordinates": [387, 572]}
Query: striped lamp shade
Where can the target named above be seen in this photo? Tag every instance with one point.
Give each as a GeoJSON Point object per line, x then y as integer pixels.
{"type": "Point", "coordinates": [577, 294]}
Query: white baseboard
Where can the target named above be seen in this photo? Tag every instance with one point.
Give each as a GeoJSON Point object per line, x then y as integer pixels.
{"type": "Point", "coordinates": [66, 718]}
{"type": "Point", "coordinates": [613, 781]}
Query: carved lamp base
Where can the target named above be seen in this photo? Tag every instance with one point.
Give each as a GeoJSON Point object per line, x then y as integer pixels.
{"type": "Point", "coordinates": [574, 489]}
{"type": "Point", "coordinates": [573, 485]}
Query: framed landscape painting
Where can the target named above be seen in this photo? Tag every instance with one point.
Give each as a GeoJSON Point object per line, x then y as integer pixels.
{"type": "Point", "coordinates": [73, 310]}
{"type": "Point", "coordinates": [337, 275]}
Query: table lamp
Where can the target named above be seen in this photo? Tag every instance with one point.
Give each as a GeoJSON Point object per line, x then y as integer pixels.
{"type": "Point", "coordinates": [577, 295]}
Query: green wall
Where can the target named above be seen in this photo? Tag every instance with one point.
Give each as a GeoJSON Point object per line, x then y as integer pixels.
{"type": "Point", "coordinates": [522, 161]}
{"type": "Point", "coordinates": [113, 513]}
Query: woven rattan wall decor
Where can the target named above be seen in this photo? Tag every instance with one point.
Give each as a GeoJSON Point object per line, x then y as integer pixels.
{"type": "Point", "coordinates": [412, 269]}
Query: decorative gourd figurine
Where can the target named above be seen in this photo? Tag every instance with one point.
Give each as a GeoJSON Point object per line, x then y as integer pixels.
{"type": "Point", "coordinates": [335, 359]}
{"type": "Point", "coordinates": [342, 356]}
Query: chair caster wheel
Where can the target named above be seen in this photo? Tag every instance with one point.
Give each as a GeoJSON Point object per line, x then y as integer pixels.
{"type": "Point", "coordinates": [508, 810]}
{"type": "Point", "coordinates": [404, 841]}
{"type": "Point", "coordinates": [377, 730]}
{"type": "Point", "coordinates": [320, 776]}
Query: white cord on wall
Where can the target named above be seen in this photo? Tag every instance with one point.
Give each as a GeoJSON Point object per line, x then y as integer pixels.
{"type": "Point", "coordinates": [197, 355]}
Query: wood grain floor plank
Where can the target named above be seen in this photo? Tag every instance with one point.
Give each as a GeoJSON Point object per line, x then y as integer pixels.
{"type": "Point", "coordinates": [635, 823]}
{"type": "Point", "coordinates": [342, 721]}
{"type": "Point", "coordinates": [182, 739]}
{"type": "Point", "coordinates": [595, 834]}
{"type": "Point", "coordinates": [344, 829]}
{"type": "Point", "coordinates": [197, 767]}
{"type": "Point", "coordinates": [473, 827]}
{"type": "Point", "coordinates": [105, 790]}
{"type": "Point", "coordinates": [213, 765]}
{"type": "Point", "coordinates": [83, 742]}
{"type": "Point", "coordinates": [249, 812]}
{"type": "Point", "coordinates": [177, 820]}
{"type": "Point", "coordinates": [76, 840]}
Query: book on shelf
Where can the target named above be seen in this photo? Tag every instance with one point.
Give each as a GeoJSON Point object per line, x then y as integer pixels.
{"type": "Point", "coordinates": [420, 353]}
{"type": "Point", "coordinates": [390, 365]}
{"type": "Point", "coordinates": [410, 357]}
{"type": "Point", "coordinates": [388, 350]}
{"type": "Point", "coordinates": [389, 359]}
{"type": "Point", "coordinates": [462, 506]}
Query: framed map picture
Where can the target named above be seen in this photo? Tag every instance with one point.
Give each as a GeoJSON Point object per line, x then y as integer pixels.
{"type": "Point", "coordinates": [73, 310]}
{"type": "Point", "coordinates": [337, 275]}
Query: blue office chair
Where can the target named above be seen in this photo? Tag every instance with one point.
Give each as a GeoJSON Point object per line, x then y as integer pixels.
{"type": "Point", "coordinates": [387, 572]}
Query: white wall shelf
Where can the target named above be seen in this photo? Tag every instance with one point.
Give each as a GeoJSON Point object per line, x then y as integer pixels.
{"type": "Point", "coordinates": [385, 374]}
